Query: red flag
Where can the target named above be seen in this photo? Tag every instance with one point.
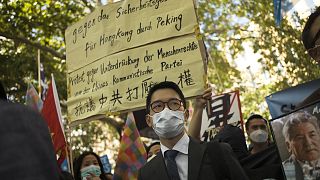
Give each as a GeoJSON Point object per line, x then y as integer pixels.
{"type": "Point", "coordinates": [51, 112]}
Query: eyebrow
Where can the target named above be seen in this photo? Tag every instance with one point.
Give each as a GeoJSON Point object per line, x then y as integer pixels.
{"type": "Point", "coordinates": [166, 100]}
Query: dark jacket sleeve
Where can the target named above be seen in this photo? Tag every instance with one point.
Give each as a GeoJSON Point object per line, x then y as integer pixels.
{"type": "Point", "coordinates": [225, 164]}
{"type": "Point", "coordinates": [234, 167]}
{"type": "Point", "coordinates": [139, 175]}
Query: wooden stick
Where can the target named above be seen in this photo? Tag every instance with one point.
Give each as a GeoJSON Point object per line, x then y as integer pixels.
{"type": "Point", "coordinates": [39, 74]}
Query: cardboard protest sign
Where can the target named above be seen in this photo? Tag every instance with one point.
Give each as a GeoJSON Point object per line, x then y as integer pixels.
{"type": "Point", "coordinates": [114, 72]}
{"type": "Point", "coordinates": [225, 109]}
{"type": "Point", "coordinates": [297, 136]}
{"type": "Point", "coordinates": [124, 25]}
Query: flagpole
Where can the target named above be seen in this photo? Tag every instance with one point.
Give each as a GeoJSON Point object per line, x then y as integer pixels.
{"type": "Point", "coordinates": [70, 149]}
{"type": "Point", "coordinates": [68, 159]}
{"type": "Point", "coordinates": [39, 75]}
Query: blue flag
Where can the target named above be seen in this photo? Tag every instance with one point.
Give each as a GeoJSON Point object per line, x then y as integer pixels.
{"type": "Point", "coordinates": [277, 11]}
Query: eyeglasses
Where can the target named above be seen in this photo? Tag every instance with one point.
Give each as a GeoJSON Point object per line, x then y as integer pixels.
{"type": "Point", "coordinates": [173, 104]}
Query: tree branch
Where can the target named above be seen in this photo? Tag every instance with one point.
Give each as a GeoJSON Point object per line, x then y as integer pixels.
{"type": "Point", "coordinates": [113, 123]}
{"type": "Point", "coordinates": [34, 44]}
{"type": "Point", "coordinates": [88, 5]}
{"type": "Point", "coordinates": [233, 39]}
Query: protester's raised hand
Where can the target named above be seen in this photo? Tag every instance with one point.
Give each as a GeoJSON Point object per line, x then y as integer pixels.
{"type": "Point", "coordinates": [93, 177]}
{"type": "Point", "coordinates": [201, 100]}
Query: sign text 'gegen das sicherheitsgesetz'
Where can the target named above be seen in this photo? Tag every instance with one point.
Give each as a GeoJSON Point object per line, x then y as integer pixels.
{"type": "Point", "coordinates": [116, 53]}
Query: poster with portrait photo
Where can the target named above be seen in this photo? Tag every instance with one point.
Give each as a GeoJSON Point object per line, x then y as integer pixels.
{"type": "Point", "coordinates": [297, 136]}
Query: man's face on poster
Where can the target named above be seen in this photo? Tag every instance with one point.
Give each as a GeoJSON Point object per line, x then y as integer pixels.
{"type": "Point", "coordinates": [305, 142]}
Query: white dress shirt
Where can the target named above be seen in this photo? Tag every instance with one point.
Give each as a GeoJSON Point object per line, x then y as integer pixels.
{"type": "Point", "coordinates": [182, 157]}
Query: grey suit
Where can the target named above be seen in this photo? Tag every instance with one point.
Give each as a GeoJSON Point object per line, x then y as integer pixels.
{"type": "Point", "coordinates": [199, 166]}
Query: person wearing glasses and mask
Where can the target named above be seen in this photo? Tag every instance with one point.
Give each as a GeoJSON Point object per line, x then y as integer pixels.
{"type": "Point", "coordinates": [182, 157]}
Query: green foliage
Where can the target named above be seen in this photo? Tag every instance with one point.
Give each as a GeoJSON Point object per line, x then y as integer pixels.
{"type": "Point", "coordinates": [227, 25]}
{"type": "Point", "coordinates": [27, 26]}
{"type": "Point", "coordinates": [87, 136]}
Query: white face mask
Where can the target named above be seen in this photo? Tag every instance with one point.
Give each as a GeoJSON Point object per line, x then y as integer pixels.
{"type": "Point", "coordinates": [168, 123]}
{"type": "Point", "coordinates": [87, 171]}
{"type": "Point", "coordinates": [259, 136]}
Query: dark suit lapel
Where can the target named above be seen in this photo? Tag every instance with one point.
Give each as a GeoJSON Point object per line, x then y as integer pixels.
{"type": "Point", "coordinates": [161, 171]}
{"type": "Point", "coordinates": [195, 155]}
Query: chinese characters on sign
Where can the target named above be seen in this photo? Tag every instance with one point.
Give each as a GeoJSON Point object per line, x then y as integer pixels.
{"type": "Point", "coordinates": [225, 109]}
{"type": "Point", "coordinates": [121, 81]}
{"type": "Point", "coordinates": [117, 53]}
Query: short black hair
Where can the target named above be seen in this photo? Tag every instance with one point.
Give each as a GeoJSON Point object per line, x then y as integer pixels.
{"type": "Point", "coordinates": [254, 116]}
{"type": "Point", "coordinates": [164, 85]}
{"type": "Point", "coordinates": [152, 144]}
{"type": "Point", "coordinates": [308, 35]}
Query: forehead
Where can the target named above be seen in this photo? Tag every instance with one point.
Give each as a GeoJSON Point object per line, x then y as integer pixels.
{"type": "Point", "coordinates": [90, 158]}
{"type": "Point", "coordinates": [257, 122]}
{"type": "Point", "coordinates": [164, 95]}
{"type": "Point", "coordinates": [155, 148]}
{"type": "Point", "coordinates": [304, 128]}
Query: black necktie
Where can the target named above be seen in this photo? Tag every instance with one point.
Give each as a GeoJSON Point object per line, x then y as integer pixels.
{"type": "Point", "coordinates": [172, 168]}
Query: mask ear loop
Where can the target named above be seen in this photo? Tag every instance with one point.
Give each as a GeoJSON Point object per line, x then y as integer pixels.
{"type": "Point", "coordinates": [186, 117]}
{"type": "Point", "coordinates": [147, 119]}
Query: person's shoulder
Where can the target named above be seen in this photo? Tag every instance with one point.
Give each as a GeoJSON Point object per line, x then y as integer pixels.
{"type": "Point", "coordinates": [9, 107]}
{"type": "Point", "coordinates": [221, 145]}
{"type": "Point", "coordinates": [153, 163]}
{"type": "Point", "coordinates": [147, 171]}
{"type": "Point", "coordinates": [11, 112]}
{"type": "Point", "coordinates": [212, 144]}
{"type": "Point", "coordinates": [197, 141]}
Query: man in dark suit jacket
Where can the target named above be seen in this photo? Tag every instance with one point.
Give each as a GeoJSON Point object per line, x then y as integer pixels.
{"type": "Point", "coordinates": [181, 157]}
{"type": "Point", "coordinates": [311, 35]}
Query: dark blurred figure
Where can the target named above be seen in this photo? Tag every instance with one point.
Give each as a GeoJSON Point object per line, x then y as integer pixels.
{"type": "Point", "coordinates": [311, 35]}
{"type": "Point", "coordinates": [263, 164]}
{"type": "Point", "coordinates": [88, 164]}
{"type": "Point", "coordinates": [64, 175]}
{"type": "Point", "coordinates": [234, 136]}
{"type": "Point", "coordinates": [26, 147]}
{"type": "Point", "coordinates": [3, 95]}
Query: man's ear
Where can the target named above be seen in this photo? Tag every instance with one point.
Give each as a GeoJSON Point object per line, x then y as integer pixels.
{"type": "Point", "coordinates": [149, 120]}
{"type": "Point", "coordinates": [288, 147]}
{"type": "Point", "coordinates": [186, 115]}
